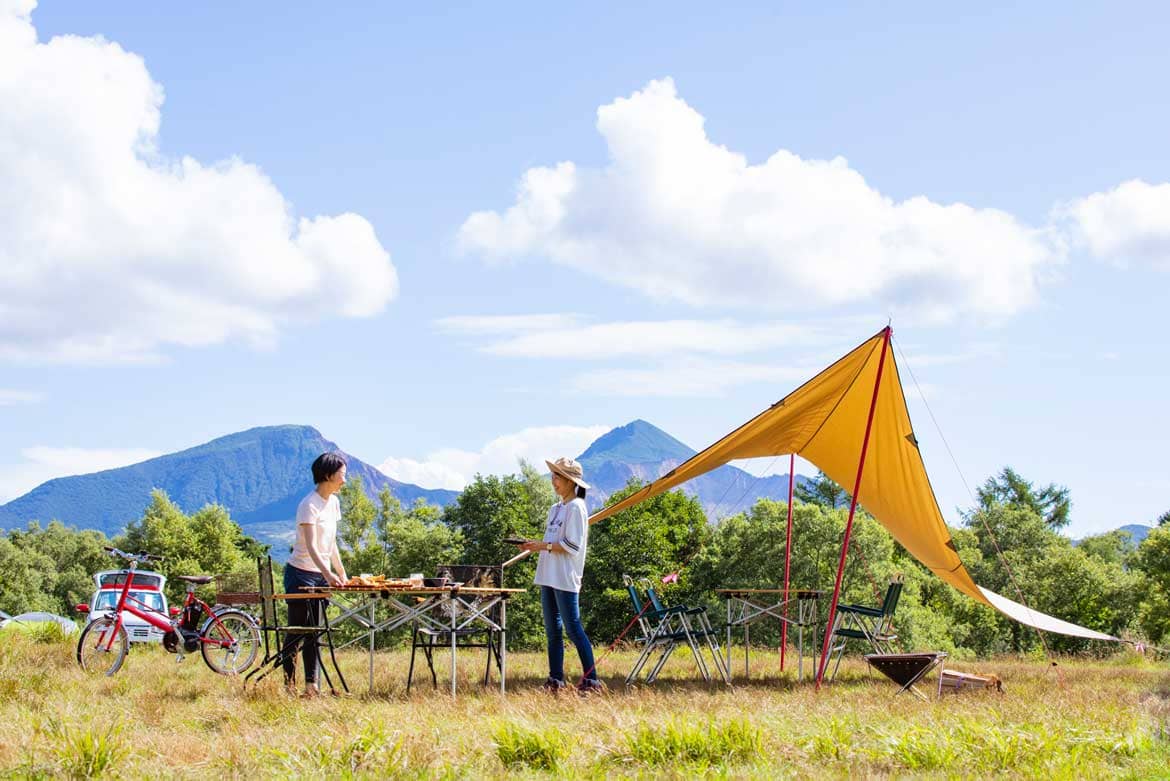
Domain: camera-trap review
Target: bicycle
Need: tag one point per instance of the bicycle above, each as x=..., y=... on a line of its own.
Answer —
x=229, y=639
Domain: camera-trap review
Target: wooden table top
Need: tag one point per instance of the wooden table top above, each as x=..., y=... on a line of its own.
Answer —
x=798, y=592
x=321, y=591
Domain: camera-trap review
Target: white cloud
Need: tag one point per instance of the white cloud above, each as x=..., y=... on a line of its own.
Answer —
x=10, y=397
x=44, y=463
x=687, y=377
x=676, y=216
x=505, y=324
x=621, y=339
x=1128, y=224
x=112, y=251
x=453, y=469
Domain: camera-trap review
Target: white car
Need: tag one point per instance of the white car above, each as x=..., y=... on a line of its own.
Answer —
x=147, y=588
x=29, y=620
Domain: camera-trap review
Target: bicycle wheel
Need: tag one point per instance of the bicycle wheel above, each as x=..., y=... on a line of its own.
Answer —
x=242, y=637
x=96, y=653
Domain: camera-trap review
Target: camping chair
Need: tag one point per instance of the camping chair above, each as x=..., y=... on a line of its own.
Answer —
x=428, y=637
x=664, y=628
x=874, y=625
x=321, y=633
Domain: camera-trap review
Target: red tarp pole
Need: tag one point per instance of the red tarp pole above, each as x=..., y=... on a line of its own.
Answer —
x=852, y=509
x=787, y=559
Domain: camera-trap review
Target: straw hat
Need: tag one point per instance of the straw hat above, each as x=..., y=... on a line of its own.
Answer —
x=568, y=468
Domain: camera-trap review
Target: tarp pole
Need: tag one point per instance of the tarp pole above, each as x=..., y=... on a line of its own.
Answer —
x=852, y=509
x=787, y=561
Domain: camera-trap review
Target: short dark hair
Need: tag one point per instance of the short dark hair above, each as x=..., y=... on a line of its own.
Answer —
x=327, y=465
x=580, y=492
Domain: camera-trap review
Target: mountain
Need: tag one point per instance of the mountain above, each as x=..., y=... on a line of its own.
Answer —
x=260, y=475
x=644, y=451
x=1137, y=531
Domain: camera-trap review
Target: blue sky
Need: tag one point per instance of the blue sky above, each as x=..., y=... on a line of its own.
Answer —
x=451, y=236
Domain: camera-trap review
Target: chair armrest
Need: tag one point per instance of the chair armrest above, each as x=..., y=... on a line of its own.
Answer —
x=860, y=610
x=668, y=611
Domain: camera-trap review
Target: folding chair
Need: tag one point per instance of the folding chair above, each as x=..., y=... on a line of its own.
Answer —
x=274, y=653
x=429, y=637
x=874, y=625
x=664, y=628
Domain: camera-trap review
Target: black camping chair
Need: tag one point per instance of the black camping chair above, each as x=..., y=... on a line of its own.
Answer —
x=319, y=632
x=429, y=637
x=874, y=625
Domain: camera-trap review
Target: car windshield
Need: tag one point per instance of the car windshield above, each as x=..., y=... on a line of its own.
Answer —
x=108, y=599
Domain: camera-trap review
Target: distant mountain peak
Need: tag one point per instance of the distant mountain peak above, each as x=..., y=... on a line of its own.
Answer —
x=637, y=442
x=259, y=474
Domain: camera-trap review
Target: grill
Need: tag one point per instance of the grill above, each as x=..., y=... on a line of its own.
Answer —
x=473, y=575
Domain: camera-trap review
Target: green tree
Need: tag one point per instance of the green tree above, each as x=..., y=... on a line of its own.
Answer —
x=1152, y=559
x=1051, y=502
x=208, y=542
x=419, y=540
x=823, y=491
x=75, y=556
x=356, y=532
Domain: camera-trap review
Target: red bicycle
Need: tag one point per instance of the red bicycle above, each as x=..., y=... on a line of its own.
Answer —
x=229, y=639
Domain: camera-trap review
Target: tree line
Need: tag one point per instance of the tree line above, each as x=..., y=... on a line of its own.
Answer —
x=1010, y=541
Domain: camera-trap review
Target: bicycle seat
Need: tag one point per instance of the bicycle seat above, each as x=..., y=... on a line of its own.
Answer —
x=199, y=580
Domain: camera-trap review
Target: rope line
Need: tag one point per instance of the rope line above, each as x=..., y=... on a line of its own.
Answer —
x=999, y=551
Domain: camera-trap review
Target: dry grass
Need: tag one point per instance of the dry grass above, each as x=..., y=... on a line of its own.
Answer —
x=155, y=718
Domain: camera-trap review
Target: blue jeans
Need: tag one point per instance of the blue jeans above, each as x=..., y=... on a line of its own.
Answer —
x=562, y=609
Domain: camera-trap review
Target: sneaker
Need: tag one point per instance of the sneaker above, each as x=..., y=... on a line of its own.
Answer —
x=591, y=686
x=553, y=685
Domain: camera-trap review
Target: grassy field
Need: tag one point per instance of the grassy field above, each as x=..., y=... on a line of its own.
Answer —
x=1083, y=719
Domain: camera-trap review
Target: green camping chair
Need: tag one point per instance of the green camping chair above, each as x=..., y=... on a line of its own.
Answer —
x=874, y=625
x=665, y=628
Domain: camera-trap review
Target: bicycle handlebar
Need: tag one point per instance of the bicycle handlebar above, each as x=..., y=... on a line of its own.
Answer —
x=141, y=558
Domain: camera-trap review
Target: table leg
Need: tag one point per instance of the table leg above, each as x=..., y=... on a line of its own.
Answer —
x=503, y=644
x=728, y=649
x=747, y=642
x=454, y=624
x=800, y=642
x=373, y=623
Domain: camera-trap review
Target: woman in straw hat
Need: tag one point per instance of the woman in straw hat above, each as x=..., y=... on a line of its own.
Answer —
x=559, y=571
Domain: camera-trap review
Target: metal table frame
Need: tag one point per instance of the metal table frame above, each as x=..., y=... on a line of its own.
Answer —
x=747, y=605
x=463, y=606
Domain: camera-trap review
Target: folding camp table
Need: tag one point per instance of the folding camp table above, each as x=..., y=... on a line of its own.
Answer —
x=747, y=605
x=907, y=669
x=448, y=609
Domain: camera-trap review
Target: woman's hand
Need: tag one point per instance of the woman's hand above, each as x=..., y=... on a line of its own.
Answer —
x=334, y=580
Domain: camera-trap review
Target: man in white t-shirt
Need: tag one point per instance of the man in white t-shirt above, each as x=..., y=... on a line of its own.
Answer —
x=559, y=571
x=315, y=561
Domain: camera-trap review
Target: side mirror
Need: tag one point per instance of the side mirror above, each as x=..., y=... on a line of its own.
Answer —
x=175, y=611
x=81, y=608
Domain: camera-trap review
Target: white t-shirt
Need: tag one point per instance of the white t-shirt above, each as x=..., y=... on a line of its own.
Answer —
x=568, y=524
x=317, y=519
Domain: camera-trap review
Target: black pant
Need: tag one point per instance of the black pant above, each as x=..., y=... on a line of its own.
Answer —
x=301, y=612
